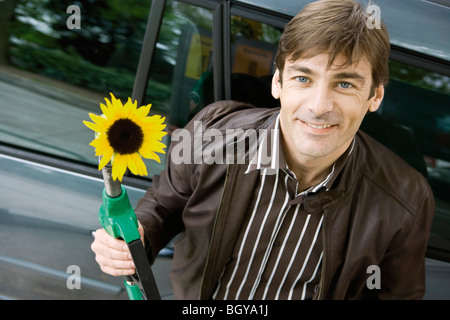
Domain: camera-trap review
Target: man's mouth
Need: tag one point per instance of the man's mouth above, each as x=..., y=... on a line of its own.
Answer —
x=318, y=126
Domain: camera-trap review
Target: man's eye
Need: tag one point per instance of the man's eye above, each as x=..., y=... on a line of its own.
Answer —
x=345, y=85
x=302, y=79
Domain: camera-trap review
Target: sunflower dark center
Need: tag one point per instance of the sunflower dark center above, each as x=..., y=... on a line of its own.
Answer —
x=125, y=136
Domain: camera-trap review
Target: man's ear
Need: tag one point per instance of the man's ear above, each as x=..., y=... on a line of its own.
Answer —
x=276, y=84
x=377, y=98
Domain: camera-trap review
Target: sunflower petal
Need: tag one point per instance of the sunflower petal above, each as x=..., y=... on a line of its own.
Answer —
x=119, y=166
x=91, y=125
x=131, y=163
x=113, y=98
x=130, y=108
x=102, y=145
x=101, y=121
x=109, y=114
x=117, y=107
x=150, y=154
x=143, y=111
x=142, y=169
x=106, y=157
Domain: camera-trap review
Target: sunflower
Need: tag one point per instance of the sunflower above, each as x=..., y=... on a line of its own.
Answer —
x=124, y=134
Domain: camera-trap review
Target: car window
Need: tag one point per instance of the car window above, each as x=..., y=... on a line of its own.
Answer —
x=182, y=64
x=58, y=63
x=181, y=76
x=253, y=48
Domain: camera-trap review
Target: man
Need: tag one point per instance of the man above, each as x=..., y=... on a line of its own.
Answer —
x=328, y=207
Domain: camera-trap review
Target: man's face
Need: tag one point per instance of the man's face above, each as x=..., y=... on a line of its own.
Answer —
x=322, y=109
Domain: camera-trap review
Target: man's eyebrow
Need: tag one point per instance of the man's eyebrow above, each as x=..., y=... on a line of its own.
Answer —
x=301, y=69
x=351, y=76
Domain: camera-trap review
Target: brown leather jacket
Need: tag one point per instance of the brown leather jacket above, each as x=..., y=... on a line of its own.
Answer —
x=378, y=212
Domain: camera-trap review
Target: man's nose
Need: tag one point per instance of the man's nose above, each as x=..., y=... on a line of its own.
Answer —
x=320, y=101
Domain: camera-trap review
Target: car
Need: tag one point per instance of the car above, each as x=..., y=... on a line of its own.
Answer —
x=59, y=62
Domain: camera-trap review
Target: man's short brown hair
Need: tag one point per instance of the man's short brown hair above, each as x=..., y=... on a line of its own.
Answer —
x=337, y=27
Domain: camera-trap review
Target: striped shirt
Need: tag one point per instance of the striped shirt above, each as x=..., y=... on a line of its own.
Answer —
x=278, y=252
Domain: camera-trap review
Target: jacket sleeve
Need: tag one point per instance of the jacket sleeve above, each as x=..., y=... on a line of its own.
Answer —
x=403, y=267
x=160, y=210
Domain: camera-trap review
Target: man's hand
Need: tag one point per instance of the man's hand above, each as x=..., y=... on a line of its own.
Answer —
x=113, y=254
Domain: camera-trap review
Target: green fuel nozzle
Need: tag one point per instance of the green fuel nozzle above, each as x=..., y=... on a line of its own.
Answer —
x=116, y=213
x=118, y=218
